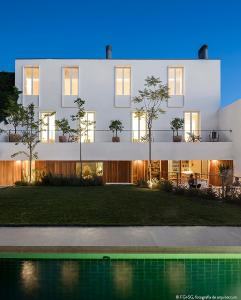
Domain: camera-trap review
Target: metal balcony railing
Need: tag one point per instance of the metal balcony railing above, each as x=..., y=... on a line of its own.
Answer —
x=126, y=136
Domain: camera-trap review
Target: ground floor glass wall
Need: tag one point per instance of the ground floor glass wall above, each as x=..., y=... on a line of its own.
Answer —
x=117, y=171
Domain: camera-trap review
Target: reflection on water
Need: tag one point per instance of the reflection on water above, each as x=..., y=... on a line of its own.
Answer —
x=118, y=279
x=122, y=277
x=30, y=276
x=176, y=276
x=70, y=273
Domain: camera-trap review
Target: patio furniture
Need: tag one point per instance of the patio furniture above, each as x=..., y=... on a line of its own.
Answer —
x=214, y=136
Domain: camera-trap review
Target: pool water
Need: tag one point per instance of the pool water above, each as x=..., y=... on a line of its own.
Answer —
x=141, y=279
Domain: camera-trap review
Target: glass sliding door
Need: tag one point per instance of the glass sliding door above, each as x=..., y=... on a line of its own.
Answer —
x=191, y=125
x=88, y=125
x=47, y=134
x=138, y=127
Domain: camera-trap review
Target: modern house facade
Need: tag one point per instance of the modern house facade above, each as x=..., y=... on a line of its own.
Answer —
x=108, y=86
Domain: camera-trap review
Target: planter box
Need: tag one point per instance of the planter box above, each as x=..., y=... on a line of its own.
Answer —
x=63, y=139
x=177, y=139
x=115, y=139
x=14, y=137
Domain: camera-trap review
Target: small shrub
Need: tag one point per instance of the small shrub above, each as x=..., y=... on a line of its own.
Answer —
x=142, y=183
x=154, y=183
x=209, y=194
x=166, y=186
x=24, y=183
x=60, y=180
x=179, y=190
x=192, y=192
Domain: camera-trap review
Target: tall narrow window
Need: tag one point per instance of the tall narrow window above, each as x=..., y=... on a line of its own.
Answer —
x=71, y=81
x=138, y=127
x=122, y=81
x=191, y=125
x=175, y=81
x=48, y=127
x=31, y=81
x=88, y=125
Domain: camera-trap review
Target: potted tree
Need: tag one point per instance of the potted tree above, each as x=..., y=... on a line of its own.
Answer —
x=63, y=125
x=115, y=126
x=15, y=113
x=177, y=124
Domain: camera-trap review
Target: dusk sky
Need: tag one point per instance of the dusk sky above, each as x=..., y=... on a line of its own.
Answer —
x=136, y=29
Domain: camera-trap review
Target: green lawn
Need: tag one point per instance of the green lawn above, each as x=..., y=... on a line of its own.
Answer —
x=110, y=205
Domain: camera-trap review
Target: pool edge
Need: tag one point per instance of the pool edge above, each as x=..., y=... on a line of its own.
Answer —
x=231, y=252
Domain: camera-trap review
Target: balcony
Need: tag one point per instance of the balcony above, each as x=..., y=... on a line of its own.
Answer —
x=133, y=145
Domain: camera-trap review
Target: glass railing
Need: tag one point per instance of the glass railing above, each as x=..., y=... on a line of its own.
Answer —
x=126, y=136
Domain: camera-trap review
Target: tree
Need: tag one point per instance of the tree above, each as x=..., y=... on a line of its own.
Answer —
x=226, y=174
x=63, y=125
x=150, y=100
x=82, y=126
x=176, y=124
x=8, y=92
x=30, y=136
x=14, y=114
x=115, y=126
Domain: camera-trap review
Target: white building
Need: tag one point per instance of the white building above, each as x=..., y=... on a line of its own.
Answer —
x=108, y=86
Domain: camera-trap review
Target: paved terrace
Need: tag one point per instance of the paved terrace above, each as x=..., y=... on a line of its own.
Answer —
x=149, y=238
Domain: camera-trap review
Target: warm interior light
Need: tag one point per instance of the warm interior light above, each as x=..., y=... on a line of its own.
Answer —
x=18, y=162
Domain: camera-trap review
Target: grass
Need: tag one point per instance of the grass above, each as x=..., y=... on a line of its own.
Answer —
x=110, y=205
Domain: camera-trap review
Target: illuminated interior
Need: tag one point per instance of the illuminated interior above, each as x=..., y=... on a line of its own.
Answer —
x=175, y=81
x=122, y=81
x=48, y=127
x=138, y=127
x=191, y=124
x=31, y=81
x=88, y=125
x=186, y=167
x=71, y=81
x=90, y=168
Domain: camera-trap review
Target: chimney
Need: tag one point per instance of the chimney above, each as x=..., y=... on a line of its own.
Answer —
x=108, y=52
x=203, y=52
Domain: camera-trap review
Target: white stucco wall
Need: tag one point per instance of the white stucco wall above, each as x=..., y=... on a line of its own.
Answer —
x=124, y=151
x=97, y=86
x=230, y=117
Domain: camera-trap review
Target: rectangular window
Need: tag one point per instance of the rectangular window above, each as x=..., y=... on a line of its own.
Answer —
x=48, y=127
x=122, y=81
x=138, y=127
x=90, y=169
x=175, y=81
x=71, y=81
x=88, y=125
x=31, y=81
x=191, y=125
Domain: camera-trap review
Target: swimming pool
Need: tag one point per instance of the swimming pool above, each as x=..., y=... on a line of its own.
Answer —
x=121, y=277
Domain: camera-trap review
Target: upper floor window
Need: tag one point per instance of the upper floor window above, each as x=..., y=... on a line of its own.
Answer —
x=48, y=127
x=71, y=81
x=139, y=132
x=175, y=81
x=88, y=127
x=31, y=81
x=122, y=81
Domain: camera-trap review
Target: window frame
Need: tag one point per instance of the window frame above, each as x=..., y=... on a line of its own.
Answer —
x=122, y=81
x=175, y=80
x=199, y=122
x=83, y=138
x=49, y=140
x=32, y=67
x=71, y=80
x=139, y=129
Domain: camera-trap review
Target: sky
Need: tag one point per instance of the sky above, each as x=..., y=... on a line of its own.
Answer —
x=134, y=28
